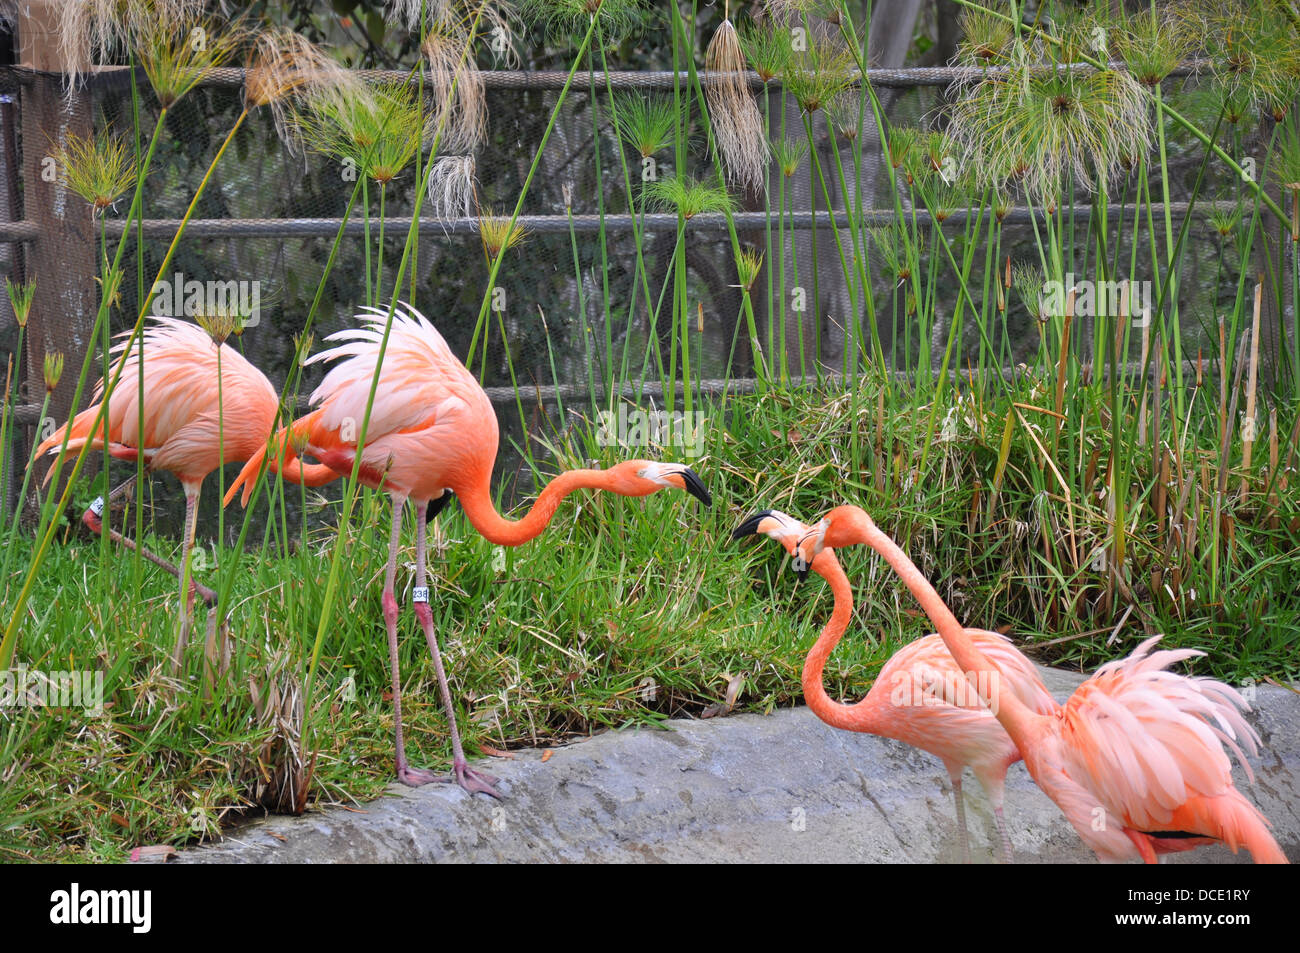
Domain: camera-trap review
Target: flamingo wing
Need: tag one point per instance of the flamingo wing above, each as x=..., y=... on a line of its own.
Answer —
x=182, y=432
x=419, y=374
x=930, y=703
x=429, y=417
x=929, y=654
x=1015, y=670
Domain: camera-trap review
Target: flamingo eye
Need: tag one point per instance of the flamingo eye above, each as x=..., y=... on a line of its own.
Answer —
x=653, y=474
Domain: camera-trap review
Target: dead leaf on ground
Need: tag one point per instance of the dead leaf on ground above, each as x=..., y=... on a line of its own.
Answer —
x=734, y=684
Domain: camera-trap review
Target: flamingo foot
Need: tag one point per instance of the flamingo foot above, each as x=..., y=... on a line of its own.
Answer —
x=418, y=777
x=476, y=782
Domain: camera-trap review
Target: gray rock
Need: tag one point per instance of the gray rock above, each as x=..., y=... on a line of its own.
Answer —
x=749, y=788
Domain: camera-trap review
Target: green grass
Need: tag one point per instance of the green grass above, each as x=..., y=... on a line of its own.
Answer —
x=563, y=640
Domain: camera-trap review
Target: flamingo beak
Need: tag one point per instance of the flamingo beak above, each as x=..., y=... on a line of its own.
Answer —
x=693, y=485
x=750, y=526
x=438, y=504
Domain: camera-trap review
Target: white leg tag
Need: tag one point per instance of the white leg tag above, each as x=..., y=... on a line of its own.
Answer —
x=97, y=506
x=420, y=594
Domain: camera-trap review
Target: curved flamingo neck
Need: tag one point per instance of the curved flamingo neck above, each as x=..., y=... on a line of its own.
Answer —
x=482, y=512
x=307, y=474
x=1011, y=712
x=856, y=717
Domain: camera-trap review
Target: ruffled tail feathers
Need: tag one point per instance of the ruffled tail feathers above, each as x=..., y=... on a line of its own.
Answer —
x=1232, y=819
x=1244, y=825
x=279, y=456
x=251, y=470
x=78, y=431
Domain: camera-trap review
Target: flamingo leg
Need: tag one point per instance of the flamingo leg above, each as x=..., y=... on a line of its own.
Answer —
x=187, y=591
x=412, y=777
x=475, y=782
x=961, y=816
x=94, y=522
x=1007, y=856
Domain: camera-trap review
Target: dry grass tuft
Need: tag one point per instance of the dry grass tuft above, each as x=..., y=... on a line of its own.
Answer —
x=451, y=187
x=287, y=64
x=90, y=29
x=457, y=91
x=738, y=128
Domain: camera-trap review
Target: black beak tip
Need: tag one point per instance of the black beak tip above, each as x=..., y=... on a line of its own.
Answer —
x=750, y=526
x=695, y=486
x=436, y=506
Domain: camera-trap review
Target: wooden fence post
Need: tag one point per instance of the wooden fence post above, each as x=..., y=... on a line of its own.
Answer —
x=11, y=254
x=62, y=259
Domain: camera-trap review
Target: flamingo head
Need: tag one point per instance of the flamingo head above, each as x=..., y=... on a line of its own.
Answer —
x=785, y=529
x=643, y=477
x=842, y=526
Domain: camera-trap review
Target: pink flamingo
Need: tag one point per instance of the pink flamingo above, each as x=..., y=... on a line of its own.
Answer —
x=181, y=428
x=920, y=696
x=431, y=429
x=1134, y=758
